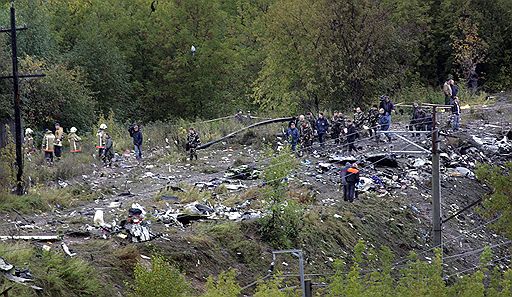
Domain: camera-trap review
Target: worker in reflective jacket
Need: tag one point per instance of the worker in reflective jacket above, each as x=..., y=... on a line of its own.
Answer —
x=102, y=138
x=74, y=141
x=352, y=178
x=48, y=146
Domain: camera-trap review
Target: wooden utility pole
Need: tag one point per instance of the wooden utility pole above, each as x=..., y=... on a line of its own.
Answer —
x=436, y=182
x=16, y=98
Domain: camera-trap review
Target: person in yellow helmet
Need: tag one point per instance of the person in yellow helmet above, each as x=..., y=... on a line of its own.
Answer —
x=74, y=141
x=48, y=146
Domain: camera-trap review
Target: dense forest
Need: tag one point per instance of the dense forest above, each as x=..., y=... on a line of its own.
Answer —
x=136, y=57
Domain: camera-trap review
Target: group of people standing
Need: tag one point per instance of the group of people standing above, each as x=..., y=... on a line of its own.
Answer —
x=344, y=130
x=53, y=142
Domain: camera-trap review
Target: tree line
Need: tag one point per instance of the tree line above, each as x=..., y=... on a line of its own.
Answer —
x=135, y=57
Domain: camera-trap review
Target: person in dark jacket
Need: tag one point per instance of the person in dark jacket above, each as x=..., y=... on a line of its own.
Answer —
x=384, y=123
x=321, y=126
x=351, y=136
x=387, y=105
x=343, y=174
x=352, y=178
x=417, y=120
x=108, y=152
x=372, y=120
x=293, y=132
x=455, y=91
x=136, y=134
x=337, y=126
x=455, y=114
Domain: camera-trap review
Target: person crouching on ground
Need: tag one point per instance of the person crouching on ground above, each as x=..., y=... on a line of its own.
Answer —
x=293, y=132
x=352, y=178
x=48, y=146
x=193, y=142
x=74, y=141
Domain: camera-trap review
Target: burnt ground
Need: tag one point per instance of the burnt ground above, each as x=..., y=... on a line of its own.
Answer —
x=396, y=214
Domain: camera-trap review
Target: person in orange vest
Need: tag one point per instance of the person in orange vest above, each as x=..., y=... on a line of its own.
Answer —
x=352, y=178
x=48, y=146
x=59, y=137
x=74, y=141
x=102, y=138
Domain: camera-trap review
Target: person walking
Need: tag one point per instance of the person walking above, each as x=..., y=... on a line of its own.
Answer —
x=193, y=141
x=74, y=141
x=321, y=126
x=101, y=137
x=59, y=137
x=373, y=120
x=343, y=174
x=456, y=114
x=352, y=178
x=294, y=134
x=136, y=134
x=48, y=146
x=447, y=90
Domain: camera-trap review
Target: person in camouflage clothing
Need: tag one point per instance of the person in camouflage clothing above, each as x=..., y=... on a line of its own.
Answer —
x=337, y=126
x=306, y=136
x=193, y=142
x=359, y=118
x=373, y=120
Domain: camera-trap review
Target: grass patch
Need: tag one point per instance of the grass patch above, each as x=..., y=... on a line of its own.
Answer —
x=56, y=274
x=70, y=166
x=41, y=199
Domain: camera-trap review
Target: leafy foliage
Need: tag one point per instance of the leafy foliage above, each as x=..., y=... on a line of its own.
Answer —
x=160, y=280
x=500, y=201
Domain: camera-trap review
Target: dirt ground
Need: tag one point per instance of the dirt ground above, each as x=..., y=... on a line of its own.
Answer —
x=397, y=215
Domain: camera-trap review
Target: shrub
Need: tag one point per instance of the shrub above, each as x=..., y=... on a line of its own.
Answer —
x=160, y=280
x=224, y=286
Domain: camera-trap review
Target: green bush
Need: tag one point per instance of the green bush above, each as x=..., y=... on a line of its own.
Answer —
x=56, y=274
x=160, y=280
x=224, y=286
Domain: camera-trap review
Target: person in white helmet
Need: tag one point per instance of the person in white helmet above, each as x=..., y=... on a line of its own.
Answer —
x=74, y=141
x=28, y=141
x=101, y=136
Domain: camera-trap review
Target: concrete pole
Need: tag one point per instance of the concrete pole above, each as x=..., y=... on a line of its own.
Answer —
x=436, y=183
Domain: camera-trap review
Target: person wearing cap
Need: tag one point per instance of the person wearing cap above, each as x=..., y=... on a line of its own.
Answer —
x=28, y=141
x=59, y=137
x=343, y=174
x=48, y=146
x=193, y=141
x=74, y=141
x=352, y=178
x=101, y=137
x=384, y=123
